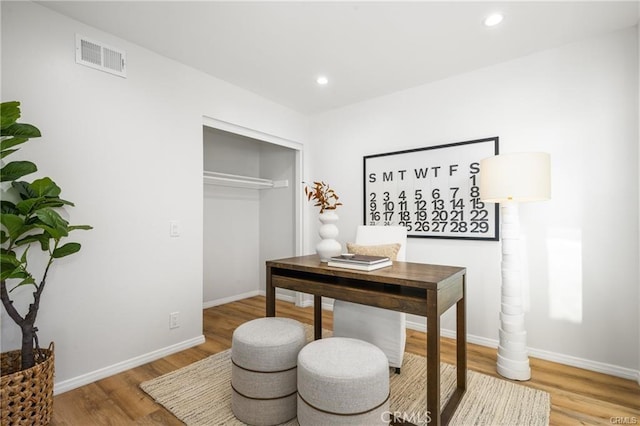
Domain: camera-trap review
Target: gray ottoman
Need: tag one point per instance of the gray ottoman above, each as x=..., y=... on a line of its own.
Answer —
x=264, y=353
x=342, y=381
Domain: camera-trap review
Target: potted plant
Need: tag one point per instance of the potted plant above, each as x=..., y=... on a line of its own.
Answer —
x=327, y=199
x=31, y=226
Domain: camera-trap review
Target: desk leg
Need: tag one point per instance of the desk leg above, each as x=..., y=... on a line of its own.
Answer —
x=317, y=317
x=461, y=357
x=461, y=338
x=271, y=296
x=433, y=358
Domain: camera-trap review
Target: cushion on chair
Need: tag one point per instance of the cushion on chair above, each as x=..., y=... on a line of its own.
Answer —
x=387, y=250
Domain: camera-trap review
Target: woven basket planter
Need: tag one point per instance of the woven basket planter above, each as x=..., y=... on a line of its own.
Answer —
x=26, y=396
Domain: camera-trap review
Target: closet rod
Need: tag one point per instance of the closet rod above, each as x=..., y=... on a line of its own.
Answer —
x=238, y=181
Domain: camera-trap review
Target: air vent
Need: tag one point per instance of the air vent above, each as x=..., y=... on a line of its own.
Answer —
x=97, y=55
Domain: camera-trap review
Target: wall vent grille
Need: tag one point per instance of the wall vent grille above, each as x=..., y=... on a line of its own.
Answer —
x=97, y=55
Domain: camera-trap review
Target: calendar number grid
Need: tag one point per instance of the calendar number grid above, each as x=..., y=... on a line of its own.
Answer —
x=433, y=192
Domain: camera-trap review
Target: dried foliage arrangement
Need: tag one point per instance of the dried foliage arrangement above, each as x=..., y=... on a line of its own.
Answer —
x=324, y=196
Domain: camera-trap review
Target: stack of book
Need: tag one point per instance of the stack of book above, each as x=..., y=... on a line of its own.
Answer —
x=360, y=262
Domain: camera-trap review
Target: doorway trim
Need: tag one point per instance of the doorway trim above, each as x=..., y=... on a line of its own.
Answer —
x=287, y=143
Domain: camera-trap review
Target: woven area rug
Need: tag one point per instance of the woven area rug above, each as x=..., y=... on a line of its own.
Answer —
x=200, y=395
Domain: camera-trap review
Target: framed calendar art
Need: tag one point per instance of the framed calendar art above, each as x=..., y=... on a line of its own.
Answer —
x=434, y=192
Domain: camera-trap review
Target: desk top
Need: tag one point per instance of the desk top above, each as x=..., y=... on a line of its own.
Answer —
x=408, y=274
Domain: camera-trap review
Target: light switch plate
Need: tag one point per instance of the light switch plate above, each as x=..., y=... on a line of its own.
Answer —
x=174, y=228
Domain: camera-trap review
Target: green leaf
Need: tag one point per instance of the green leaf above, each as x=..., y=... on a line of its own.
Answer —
x=24, y=189
x=7, y=152
x=54, y=202
x=43, y=239
x=51, y=217
x=21, y=130
x=13, y=224
x=28, y=206
x=9, y=113
x=4, y=237
x=26, y=281
x=16, y=169
x=66, y=250
x=18, y=273
x=53, y=223
x=23, y=258
x=7, y=143
x=82, y=227
x=45, y=187
x=8, y=207
x=7, y=270
x=9, y=259
x=12, y=268
x=55, y=233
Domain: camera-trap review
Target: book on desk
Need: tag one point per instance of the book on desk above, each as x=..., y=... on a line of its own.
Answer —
x=359, y=262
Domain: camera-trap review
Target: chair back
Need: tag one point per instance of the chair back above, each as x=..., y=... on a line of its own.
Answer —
x=371, y=235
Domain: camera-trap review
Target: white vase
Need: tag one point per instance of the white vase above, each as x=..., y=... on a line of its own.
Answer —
x=328, y=231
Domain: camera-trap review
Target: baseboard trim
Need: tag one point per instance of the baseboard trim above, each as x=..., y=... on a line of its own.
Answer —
x=587, y=364
x=234, y=298
x=599, y=367
x=283, y=297
x=119, y=367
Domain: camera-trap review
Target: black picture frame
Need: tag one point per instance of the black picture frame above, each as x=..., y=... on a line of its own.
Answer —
x=433, y=191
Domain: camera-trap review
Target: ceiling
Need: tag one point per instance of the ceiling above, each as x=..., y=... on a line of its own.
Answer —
x=366, y=49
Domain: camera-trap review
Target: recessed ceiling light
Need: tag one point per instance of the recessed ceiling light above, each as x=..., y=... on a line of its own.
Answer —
x=322, y=80
x=493, y=19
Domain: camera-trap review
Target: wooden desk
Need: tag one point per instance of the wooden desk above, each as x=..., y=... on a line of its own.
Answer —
x=414, y=288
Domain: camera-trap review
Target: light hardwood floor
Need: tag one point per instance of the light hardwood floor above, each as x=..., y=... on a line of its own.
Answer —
x=577, y=396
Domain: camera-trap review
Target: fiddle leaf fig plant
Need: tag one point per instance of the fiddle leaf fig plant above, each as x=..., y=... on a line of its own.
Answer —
x=31, y=225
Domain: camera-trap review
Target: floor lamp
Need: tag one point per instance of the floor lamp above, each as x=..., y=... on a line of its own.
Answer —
x=510, y=179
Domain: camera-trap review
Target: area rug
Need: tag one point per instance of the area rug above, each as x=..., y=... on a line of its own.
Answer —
x=200, y=395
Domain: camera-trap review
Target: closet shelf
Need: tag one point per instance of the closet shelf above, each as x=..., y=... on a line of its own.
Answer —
x=238, y=181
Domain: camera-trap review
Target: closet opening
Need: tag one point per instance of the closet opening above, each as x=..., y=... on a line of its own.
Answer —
x=252, y=210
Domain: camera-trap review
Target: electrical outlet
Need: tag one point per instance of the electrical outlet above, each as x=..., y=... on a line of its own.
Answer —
x=174, y=320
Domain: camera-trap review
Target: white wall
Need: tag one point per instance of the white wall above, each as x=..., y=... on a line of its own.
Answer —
x=580, y=104
x=128, y=152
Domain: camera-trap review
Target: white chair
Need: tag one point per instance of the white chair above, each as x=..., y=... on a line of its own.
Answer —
x=382, y=327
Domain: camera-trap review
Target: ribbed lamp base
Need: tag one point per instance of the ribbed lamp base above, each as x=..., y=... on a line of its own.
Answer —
x=514, y=370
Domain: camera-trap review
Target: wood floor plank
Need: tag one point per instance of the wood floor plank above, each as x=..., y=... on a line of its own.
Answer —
x=88, y=405
x=125, y=391
x=577, y=396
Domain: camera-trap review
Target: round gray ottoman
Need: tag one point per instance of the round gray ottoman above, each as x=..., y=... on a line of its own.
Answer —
x=342, y=381
x=264, y=354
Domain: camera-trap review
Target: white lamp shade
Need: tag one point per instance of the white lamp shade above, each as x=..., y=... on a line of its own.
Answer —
x=520, y=176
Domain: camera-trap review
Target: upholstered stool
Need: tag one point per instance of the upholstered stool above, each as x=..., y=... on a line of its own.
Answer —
x=264, y=353
x=342, y=381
